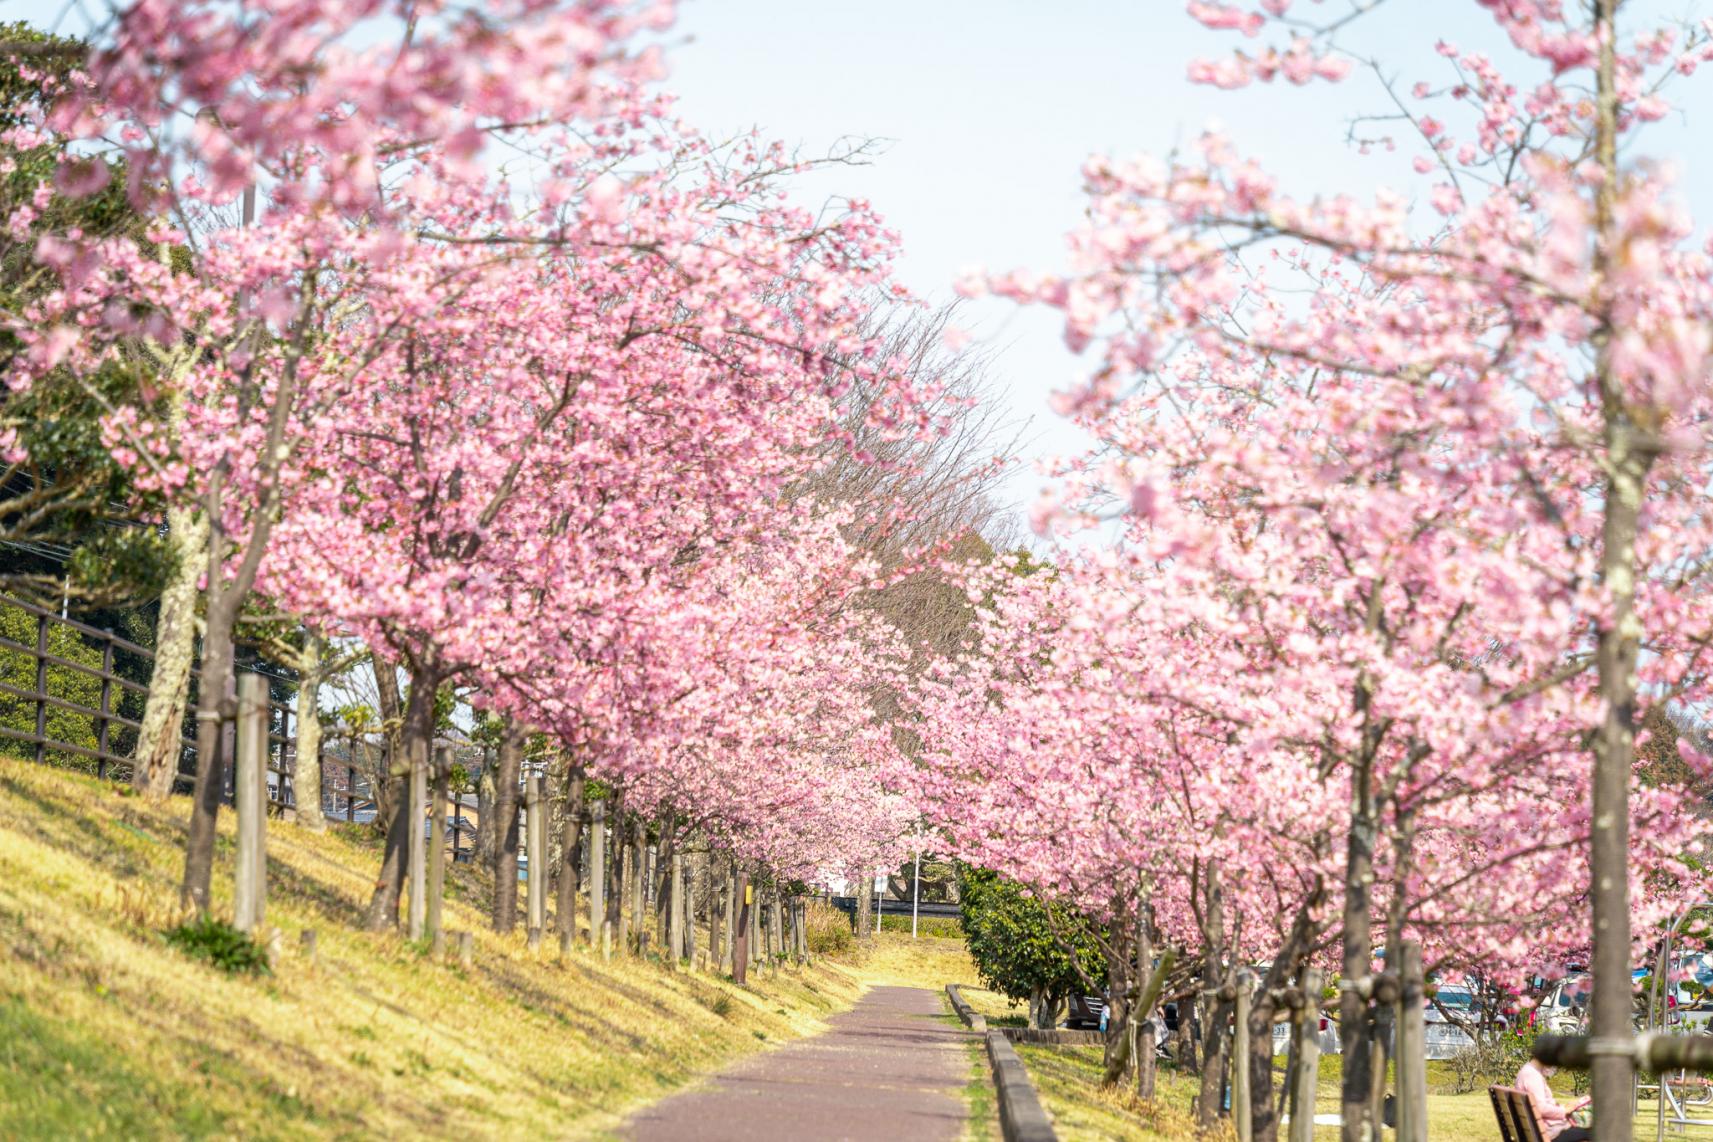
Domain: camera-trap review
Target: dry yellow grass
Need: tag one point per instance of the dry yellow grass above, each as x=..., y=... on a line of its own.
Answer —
x=107, y=1031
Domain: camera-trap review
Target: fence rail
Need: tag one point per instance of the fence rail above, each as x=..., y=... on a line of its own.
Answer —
x=48, y=716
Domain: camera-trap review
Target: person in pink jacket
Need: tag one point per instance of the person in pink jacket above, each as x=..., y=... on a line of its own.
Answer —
x=1554, y=1119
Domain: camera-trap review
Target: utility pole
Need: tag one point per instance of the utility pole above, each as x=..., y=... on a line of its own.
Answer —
x=916, y=896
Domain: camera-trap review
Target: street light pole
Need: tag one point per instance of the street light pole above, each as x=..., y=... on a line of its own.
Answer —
x=916, y=896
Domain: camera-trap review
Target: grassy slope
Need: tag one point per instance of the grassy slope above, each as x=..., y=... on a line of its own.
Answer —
x=106, y=1031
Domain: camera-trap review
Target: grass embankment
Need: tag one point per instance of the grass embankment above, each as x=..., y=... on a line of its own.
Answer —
x=105, y=1030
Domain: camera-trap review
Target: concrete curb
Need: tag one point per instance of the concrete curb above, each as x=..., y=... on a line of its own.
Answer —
x=965, y=1012
x=1021, y=1116
x=1058, y=1036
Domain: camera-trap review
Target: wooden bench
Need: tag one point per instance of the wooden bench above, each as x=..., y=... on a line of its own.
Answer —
x=1516, y=1115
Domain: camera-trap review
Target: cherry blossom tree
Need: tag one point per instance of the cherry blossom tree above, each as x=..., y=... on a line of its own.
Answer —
x=1541, y=340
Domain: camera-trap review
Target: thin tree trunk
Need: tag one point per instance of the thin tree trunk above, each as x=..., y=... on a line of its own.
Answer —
x=571, y=840
x=213, y=710
x=486, y=791
x=159, y=744
x=307, y=779
x=383, y=911
x=506, y=772
x=639, y=885
x=1354, y=1024
x=616, y=872
x=1630, y=454
x=1118, y=1008
x=382, y=786
x=1215, y=975
x=1145, y=1014
x=864, y=909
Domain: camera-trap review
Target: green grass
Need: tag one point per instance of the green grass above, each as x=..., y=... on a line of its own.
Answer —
x=108, y=1031
x=982, y=1124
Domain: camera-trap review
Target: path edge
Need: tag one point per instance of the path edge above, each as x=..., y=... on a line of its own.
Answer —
x=1022, y=1118
x=974, y=1022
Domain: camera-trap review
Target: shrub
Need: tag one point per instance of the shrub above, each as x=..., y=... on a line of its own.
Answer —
x=220, y=944
x=1491, y=1059
x=828, y=929
x=936, y=927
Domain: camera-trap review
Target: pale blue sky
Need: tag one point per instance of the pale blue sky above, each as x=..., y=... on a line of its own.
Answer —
x=992, y=106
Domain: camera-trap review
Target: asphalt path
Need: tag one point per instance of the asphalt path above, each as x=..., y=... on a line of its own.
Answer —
x=889, y=1069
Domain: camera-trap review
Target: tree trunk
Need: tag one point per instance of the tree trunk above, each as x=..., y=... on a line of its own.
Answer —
x=615, y=890
x=506, y=772
x=1354, y=1025
x=728, y=946
x=307, y=778
x=1215, y=975
x=715, y=905
x=383, y=787
x=486, y=790
x=213, y=710
x=1147, y=1002
x=571, y=841
x=864, y=909
x=159, y=744
x=1630, y=454
x=383, y=911
x=1118, y=992
x=1263, y=1109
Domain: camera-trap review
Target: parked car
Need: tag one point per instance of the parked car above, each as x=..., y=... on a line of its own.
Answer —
x=1326, y=1036
x=1452, y=1019
x=1563, y=1007
x=1086, y=1012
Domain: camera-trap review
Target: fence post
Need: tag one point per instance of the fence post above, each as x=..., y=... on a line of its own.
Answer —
x=675, y=912
x=1241, y=1103
x=535, y=824
x=1412, y=1048
x=285, y=747
x=437, y=845
x=228, y=740
x=250, y=799
x=597, y=871
x=1307, y=1074
x=41, y=688
x=418, y=849
x=101, y=723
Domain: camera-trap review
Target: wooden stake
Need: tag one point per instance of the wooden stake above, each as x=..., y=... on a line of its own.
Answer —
x=418, y=848
x=1307, y=1074
x=250, y=799
x=437, y=847
x=535, y=824
x=1412, y=1048
x=1240, y=1099
x=597, y=871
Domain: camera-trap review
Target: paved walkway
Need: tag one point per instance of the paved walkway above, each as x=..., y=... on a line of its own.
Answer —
x=888, y=1069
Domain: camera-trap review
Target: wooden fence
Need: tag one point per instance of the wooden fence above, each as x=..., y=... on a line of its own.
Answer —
x=73, y=694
